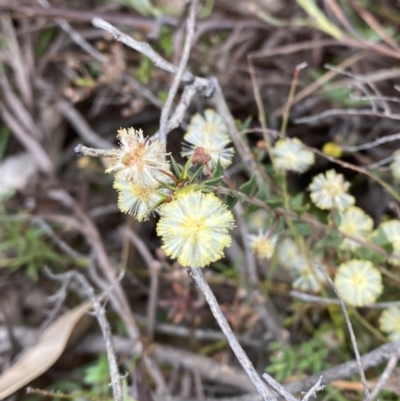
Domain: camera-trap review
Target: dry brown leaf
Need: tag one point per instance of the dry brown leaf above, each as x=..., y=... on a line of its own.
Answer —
x=41, y=356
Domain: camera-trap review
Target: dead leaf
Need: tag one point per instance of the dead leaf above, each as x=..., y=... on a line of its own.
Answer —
x=41, y=356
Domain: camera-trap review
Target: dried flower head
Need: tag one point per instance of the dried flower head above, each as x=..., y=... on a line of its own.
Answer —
x=263, y=245
x=389, y=322
x=356, y=223
x=194, y=228
x=329, y=191
x=290, y=154
x=138, y=160
x=359, y=283
x=392, y=232
x=137, y=200
x=209, y=133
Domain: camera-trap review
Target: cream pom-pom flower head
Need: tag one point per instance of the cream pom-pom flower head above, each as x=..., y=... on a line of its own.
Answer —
x=138, y=160
x=211, y=134
x=389, y=322
x=392, y=232
x=359, y=283
x=263, y=245
x=356, y=223
x=395, y=165
x=290, y=154
x=194, y=228
x=136, y=199
x=329, y=191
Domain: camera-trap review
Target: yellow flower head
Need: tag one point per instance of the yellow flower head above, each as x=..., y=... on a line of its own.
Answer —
x=138, y=160
x=329, y=191
x=391, y=229
x=389, y=322
x=194, y=228
x=395, y=165
x=290, y=154
x=263, y=245
x=355, y=222
x=332, y=149
x=359, y=283
x=211, y=134
x=137, y=200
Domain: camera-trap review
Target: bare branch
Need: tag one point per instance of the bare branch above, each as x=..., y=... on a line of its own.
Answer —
x=369, y=360
x=330, y=301
x=345, y=112
x=179, y=72
x=197, y=276
x=104, y=326
x=385, y=375
x=278, y=388
x=313, y=390
x=373, y=144
x=141, y=47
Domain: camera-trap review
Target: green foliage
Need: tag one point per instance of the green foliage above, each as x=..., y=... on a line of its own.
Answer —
x=162, y=95
x=144, y=70
x=249, y=187
x=218, y=170
x=97, y=376
x=166, y=43
x=143, y=7
x=306, y=358
x=4, y=137
x=24, y=246
x=302, y=229
x=299, y=203
x=46, y=36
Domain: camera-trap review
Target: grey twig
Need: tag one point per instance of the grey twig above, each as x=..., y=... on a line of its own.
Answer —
x=330, y=301
x=373, y=144
x=104, y=326
x=197, y=276
x=179, y=72
x=76, y=119
x=345, y=112
x=278, y=388
x=385, y=375
x=81, y=150
x=74, y=35
x=141, y=47
x=369, y=360
x=154, y=267
x=194, y=84
x=28, y=141
x=313, y=390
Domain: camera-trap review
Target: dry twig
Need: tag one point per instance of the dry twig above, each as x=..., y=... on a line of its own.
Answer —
x=197, y=276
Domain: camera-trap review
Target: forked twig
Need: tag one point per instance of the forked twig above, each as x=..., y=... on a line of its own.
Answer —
x=179, y=72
